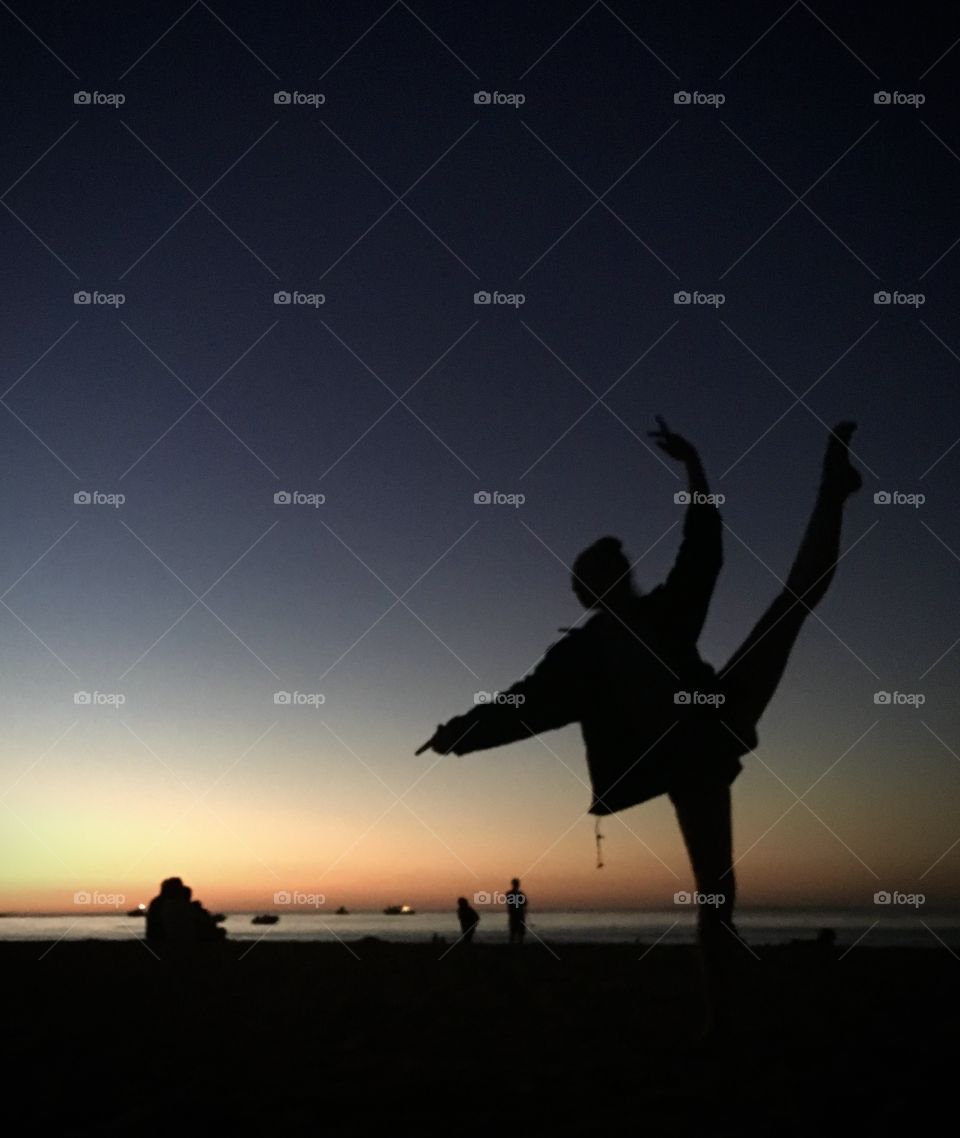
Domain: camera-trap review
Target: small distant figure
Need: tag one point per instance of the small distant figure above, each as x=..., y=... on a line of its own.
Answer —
x=174, y=918
x=469, y=918
x=827, y=940
x=516, y=912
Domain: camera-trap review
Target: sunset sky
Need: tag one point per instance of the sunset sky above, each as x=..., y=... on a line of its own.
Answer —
x=399, y=398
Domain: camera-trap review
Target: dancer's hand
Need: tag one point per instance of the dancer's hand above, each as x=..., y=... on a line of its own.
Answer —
x=441, y=741
x=676, y=446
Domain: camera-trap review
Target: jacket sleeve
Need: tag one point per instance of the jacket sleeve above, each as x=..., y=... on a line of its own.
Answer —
x=690, y=584
x=549, y=697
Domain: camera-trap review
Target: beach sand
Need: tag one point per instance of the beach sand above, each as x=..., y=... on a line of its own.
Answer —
x=279, y=1038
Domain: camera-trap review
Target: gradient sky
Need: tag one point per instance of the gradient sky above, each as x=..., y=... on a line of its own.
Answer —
x=199, y=772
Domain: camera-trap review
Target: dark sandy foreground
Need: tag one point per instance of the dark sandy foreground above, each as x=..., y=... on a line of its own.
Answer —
x=274, y=1039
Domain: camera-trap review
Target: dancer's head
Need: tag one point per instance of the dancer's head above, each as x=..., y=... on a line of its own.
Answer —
x=601, y=574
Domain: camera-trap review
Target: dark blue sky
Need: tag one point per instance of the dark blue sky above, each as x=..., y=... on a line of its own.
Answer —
x=598, y=198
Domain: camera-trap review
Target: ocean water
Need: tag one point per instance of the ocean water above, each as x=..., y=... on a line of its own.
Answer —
x=871, y=928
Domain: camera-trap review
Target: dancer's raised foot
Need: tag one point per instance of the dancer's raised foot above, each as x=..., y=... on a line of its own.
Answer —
x=839, y=473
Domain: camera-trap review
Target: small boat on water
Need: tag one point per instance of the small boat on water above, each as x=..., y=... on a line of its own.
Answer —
x=265, y=919
x=343, y=911
x=139, y=911
x=399, y=911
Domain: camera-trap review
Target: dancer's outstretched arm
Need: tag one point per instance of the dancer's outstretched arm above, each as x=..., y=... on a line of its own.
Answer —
x=690, y=584
x=550, y=696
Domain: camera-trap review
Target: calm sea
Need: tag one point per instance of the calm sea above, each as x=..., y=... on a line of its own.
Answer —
x=886, y=928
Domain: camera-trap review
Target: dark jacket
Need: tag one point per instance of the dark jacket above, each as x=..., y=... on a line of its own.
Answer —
x=618, y=676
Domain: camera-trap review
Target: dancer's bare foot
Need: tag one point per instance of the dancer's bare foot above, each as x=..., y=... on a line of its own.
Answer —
x=839, y=474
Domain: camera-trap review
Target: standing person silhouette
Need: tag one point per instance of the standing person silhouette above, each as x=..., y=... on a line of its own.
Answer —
x=469, y=918
x=655, y=718
x=516, y=912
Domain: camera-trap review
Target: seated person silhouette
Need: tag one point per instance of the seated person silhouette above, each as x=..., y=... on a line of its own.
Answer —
x=469, y=918
x=175, y=919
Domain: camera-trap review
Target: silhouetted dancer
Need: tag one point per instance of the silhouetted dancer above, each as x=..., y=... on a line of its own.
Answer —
x=516, y=912
x=634, y=680
x=469, y=918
